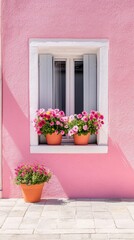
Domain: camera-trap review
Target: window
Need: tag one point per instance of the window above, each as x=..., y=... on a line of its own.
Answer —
x=72, y=76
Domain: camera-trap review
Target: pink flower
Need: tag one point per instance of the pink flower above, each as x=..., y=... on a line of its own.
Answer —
x=66, y=126
x=75, y=129
x=91, y=117
x=56, y=110
x=85, y=127
x=71, y=132
x=84, y=113
x=64, y=119
x=79, y=116
x=62, y=132
x=101, y=117
x=57, y=123
x=56, y=132
x=96, y=115
x=39, y=132
x=85, y=119
x=52, y=123
x=61, y=113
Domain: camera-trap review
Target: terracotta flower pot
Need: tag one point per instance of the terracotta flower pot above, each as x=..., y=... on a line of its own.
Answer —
x=53, y=139
x=82, y=139
x=32, y=193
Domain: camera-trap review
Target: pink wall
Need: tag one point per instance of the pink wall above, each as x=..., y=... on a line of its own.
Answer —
x=89, y=175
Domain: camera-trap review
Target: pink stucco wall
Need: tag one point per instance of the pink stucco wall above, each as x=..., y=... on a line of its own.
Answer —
x=88, y=175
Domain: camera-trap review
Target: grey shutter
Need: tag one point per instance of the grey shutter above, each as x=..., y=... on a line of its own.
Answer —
x=90, y=86
x=90, y=82
x=45, y=83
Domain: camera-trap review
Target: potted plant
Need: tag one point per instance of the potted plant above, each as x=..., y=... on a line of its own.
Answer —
x=52, y=124
x=31, y=179
x=82, y=125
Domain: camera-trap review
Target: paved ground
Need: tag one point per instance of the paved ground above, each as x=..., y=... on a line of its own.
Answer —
x=66, y=220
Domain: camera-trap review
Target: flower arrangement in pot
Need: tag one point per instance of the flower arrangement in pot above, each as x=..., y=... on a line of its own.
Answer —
x=53, y=124
x=31, y=179
x=82, y=125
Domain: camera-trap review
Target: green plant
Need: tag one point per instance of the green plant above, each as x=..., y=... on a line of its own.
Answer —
x=50, y=121
x=85, y=123
x=31, y=174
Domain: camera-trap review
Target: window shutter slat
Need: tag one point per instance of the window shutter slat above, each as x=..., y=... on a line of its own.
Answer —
x=90, y=82
x=45, y=83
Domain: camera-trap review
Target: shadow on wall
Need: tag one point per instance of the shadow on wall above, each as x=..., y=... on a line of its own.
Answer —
x=15, y=139
x=94, y=175
x=75, y=176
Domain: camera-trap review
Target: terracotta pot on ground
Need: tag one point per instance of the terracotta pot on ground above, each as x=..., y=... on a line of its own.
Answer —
x=32, y=193
x=53, y=139
x=82, y=139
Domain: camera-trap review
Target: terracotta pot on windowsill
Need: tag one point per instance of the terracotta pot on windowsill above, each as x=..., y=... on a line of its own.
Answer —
x=81, y=139
x=54, y=139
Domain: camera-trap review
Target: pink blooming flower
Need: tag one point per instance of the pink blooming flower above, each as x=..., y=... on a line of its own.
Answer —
x=66, y=126
x=91, y=117
x=56, y=131
x=57, y=123
x=79, y=116
x=101, y=117
x=39, y=132
x=96, y=115
x=61, y=113
x=52, y=123
x=71, y=132
x=75, y=129
x=56, y=110
x=85, y=119
x=64, y=119
x=92, y=112
x=84, y=113
x=62, y=132
x=85, y=127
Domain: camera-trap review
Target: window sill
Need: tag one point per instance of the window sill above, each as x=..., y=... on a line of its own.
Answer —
x=64, y=148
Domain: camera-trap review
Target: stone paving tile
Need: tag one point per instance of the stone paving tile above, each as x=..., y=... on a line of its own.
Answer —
x=104, y=223
x=7, y=202
x=5, y=210
x=102, y=215
x=99, y=237
x=67, y=212
x=12, y=223
x=85, y=223
x=75, y=237
x=47, y=224
x=2, y=219
x=124, y=223
x=50, y=214
x=65, y=231
x=16, y=231
x=114, y=230
x=17, y=212
x=121, y=236
x=84, y=214
x=29, y=222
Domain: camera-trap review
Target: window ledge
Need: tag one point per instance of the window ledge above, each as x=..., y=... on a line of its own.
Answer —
x=90, y=148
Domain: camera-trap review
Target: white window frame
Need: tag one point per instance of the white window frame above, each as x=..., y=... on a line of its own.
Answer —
x=70, y=47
